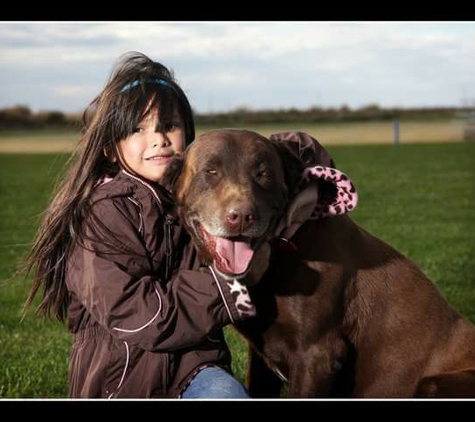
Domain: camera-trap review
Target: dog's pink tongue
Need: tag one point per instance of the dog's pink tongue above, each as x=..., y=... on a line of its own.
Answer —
x=235, y=255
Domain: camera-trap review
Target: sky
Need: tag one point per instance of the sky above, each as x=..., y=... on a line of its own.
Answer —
x=258, y=65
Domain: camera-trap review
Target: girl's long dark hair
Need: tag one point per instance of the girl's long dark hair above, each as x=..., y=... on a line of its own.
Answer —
x=131, y=92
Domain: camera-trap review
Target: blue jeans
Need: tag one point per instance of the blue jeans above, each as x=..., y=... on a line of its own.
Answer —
x=215, y=383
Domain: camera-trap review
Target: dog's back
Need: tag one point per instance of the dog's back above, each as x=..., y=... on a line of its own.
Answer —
x=359, y=314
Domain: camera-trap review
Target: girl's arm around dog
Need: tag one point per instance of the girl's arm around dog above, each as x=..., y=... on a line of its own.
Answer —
x=120, y=287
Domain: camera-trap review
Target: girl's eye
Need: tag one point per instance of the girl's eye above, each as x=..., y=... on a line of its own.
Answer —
x=139, y=129
x=172, y=126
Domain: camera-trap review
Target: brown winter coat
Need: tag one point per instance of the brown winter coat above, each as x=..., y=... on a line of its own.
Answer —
x=144, y=314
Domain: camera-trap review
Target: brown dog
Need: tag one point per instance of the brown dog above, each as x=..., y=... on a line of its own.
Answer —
x=345, y=315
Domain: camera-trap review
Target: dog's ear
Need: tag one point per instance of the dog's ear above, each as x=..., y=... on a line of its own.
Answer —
x=292, y=166
x=172, y=173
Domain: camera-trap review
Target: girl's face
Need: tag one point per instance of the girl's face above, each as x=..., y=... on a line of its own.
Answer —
x=147, y=152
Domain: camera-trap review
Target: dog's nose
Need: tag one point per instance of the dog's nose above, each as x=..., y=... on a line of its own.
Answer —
x=240, y=220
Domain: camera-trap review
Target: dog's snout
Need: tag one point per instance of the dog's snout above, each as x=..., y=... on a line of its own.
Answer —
x=239, y=220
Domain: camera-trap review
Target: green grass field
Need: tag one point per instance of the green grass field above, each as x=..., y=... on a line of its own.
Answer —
x=418, y=197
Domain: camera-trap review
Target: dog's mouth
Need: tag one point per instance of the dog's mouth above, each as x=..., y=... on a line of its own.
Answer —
x=232, y=255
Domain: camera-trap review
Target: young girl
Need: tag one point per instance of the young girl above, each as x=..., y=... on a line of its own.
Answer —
x=146, y=317
x=111, y=257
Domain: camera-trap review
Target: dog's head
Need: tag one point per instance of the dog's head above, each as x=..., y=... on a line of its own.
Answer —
x=231, y=187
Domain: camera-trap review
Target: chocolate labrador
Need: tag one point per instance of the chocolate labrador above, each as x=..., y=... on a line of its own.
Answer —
x=340, y=313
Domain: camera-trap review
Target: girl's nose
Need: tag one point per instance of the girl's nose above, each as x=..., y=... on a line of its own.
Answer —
x=160, y=140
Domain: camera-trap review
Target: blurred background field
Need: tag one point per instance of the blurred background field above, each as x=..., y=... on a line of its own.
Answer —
x=419, y=197
x=344, y=133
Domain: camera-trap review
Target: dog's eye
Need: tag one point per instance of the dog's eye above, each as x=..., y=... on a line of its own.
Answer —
x=212, y=171
x=263, y=173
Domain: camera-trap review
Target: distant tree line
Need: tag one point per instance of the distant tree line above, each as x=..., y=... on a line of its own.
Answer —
x=21, y=117
x=329, y=115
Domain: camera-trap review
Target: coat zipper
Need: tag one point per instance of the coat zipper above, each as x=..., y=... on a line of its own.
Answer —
x=168, y=223
x=169, y=246
x=167, y=370
x=169, y=220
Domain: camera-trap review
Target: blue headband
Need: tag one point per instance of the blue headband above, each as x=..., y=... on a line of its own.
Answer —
x=148, y=81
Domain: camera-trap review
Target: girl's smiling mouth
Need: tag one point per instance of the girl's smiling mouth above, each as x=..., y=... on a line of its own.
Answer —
x=160, y=159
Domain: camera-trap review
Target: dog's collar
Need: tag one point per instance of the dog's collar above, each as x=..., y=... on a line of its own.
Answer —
x=284, y=244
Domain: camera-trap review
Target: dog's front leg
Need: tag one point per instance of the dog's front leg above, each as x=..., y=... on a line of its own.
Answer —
x=261, y=381
x=310, y=378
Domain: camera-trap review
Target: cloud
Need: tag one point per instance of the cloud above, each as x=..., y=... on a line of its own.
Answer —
x=228, y=64
x=74, y=91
